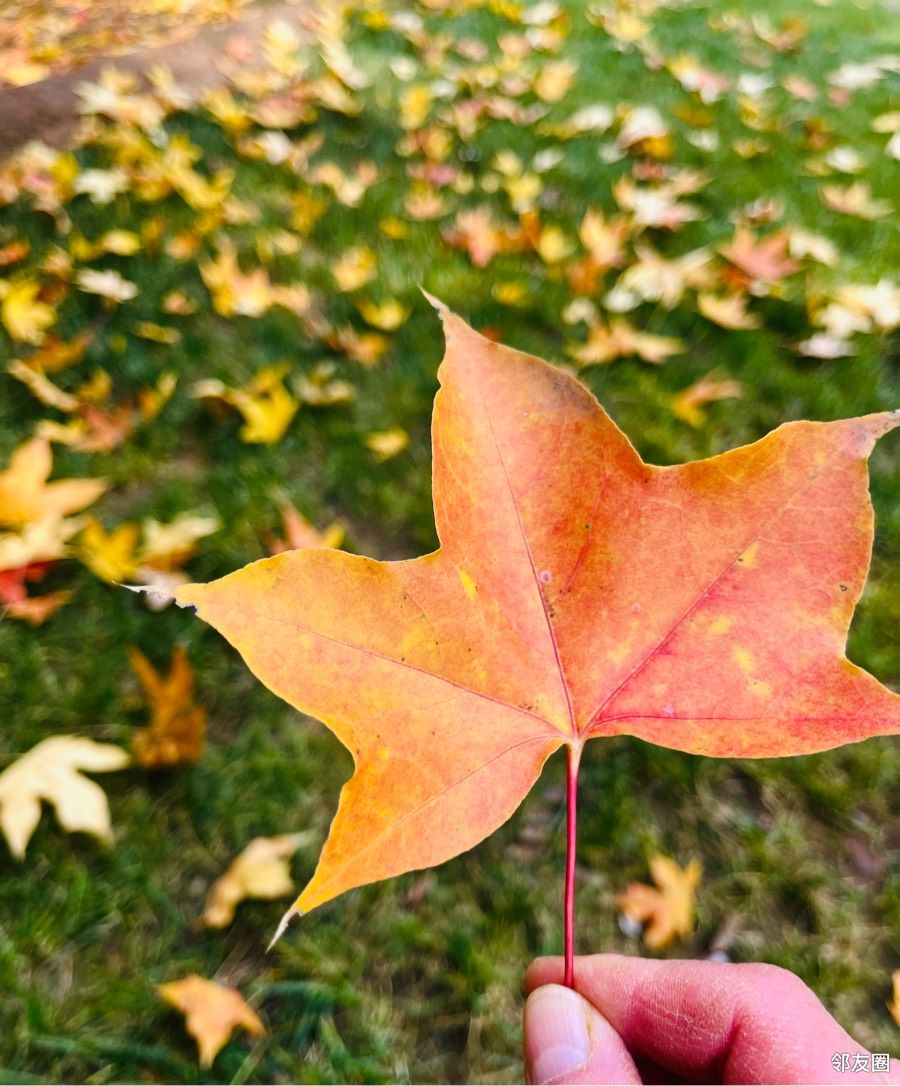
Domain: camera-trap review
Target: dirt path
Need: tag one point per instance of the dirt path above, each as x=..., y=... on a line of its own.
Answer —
x=48, y=110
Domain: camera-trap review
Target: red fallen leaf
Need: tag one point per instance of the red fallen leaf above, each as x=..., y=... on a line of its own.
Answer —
x=578, y=593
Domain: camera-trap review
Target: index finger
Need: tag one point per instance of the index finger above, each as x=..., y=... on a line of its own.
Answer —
x=710, y=1021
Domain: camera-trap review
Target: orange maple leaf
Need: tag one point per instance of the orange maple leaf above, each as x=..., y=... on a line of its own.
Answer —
x=177, y=729
x=578, y=592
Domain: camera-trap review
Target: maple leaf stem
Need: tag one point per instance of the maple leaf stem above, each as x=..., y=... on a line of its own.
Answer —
x=574, y=757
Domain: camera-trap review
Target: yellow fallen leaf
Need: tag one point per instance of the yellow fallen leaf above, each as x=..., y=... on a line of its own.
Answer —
x=212, y=1011
x=385, y=444
x=112, y=556
x=50, y=772
x=177, y=729
x=688, y=404
x=24, y=316
x=386, y=316
x=265, y=404
x=728, y=312
x=25, y=494
x=620, y=339
x=554, y=80
x=354, y=269
x=667, y=910
x=167, y=546
x=260, y=871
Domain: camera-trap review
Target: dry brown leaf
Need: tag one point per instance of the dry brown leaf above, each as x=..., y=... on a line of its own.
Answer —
x=50, y=771
x=211, y=1011
x=667, y=909
x=260, y=871
x=177, y=729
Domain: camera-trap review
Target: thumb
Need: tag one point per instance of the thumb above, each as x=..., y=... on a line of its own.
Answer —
x=568, y=1040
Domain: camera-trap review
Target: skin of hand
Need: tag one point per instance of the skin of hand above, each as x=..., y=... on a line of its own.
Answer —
x=632, y=1020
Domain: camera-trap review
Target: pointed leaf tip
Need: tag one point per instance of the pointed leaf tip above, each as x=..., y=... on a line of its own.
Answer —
x=283, y=925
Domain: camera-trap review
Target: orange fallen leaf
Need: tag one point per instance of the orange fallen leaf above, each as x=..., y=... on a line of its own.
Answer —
x=667, y=909
x=260, y=871
x=298, y=533
x=177, y=729
x=212, y=1012
x=578, y=592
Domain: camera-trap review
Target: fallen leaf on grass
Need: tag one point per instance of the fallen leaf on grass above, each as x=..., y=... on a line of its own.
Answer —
x=260, y=871
x=667, y=909
x=764, y=259
x=299, y=533
x=265, y=404
x=688, y=404
x=50, y=771
x=855, y=200
x=894, y=1005
x=25, y=494
x=177, y=729
x=387, y=316
x=26, y=557
x=729, y=311
x=619, y=339
x=212, y=1012
x=385, y=444
x=23, y=314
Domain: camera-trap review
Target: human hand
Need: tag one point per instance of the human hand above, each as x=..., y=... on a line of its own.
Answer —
x=632, y=1020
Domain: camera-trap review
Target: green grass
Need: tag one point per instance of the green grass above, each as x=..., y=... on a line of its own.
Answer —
x=419, y=978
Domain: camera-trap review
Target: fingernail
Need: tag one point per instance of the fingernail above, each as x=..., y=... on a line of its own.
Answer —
x=556, y=1035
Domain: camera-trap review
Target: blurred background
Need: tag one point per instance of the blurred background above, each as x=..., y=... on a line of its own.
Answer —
x=215, y=217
